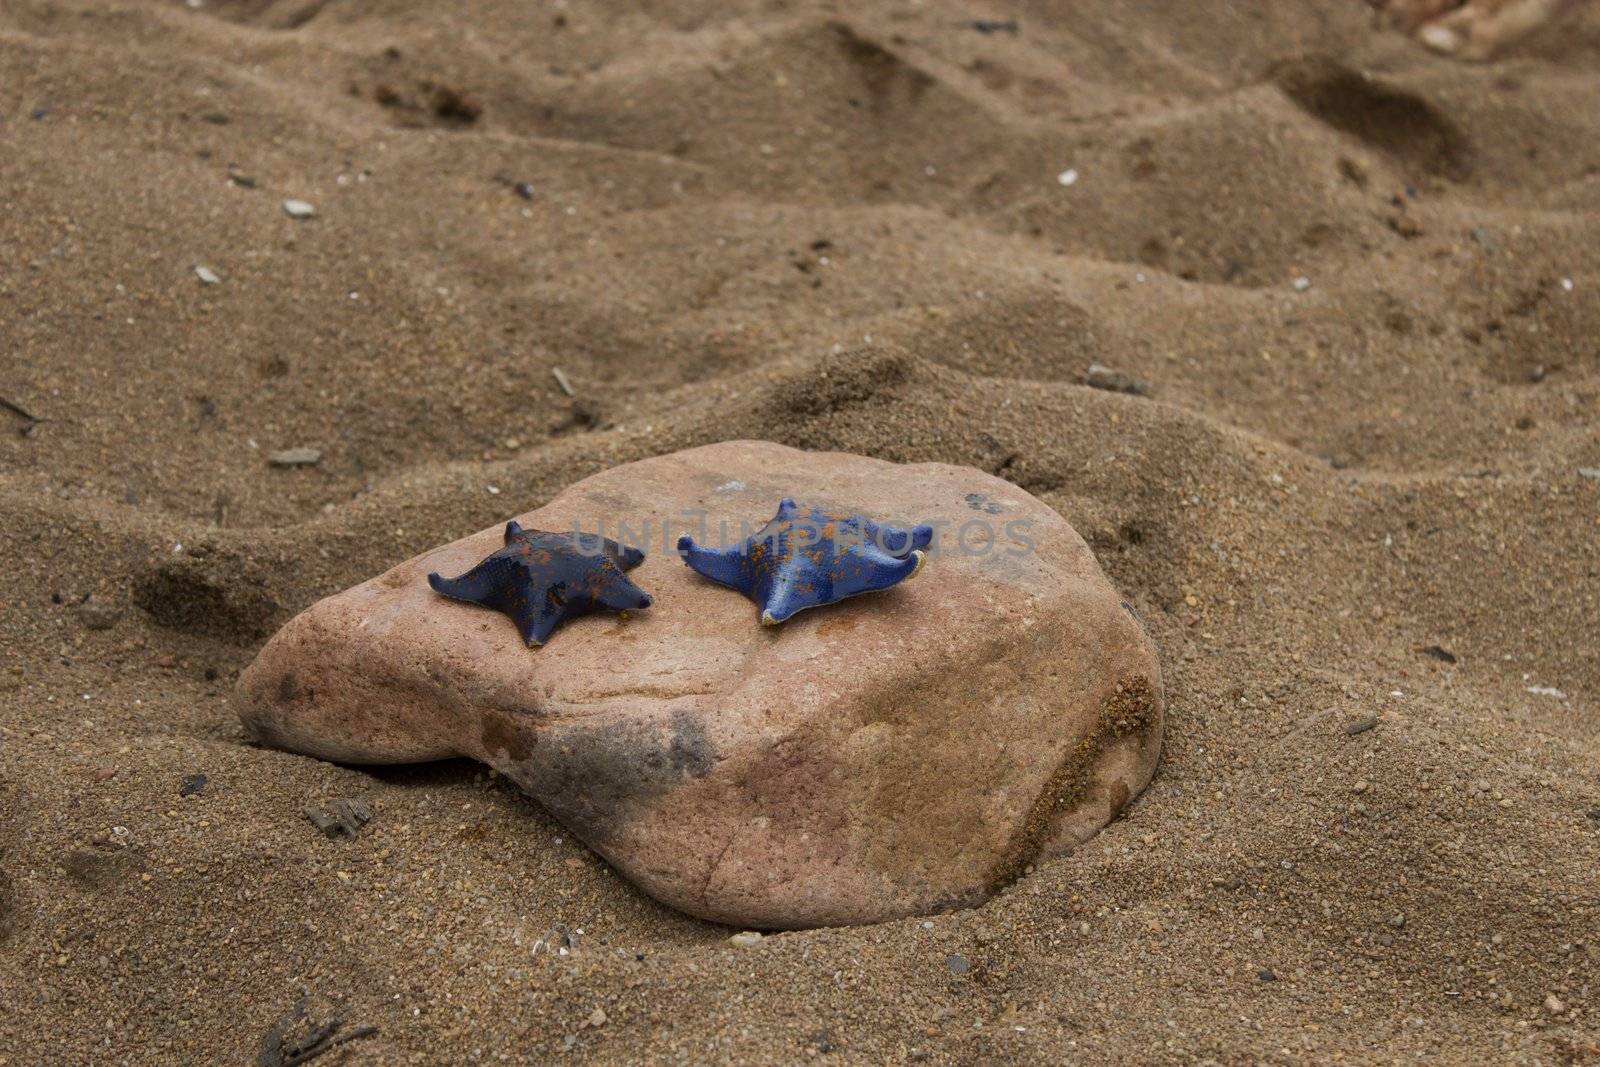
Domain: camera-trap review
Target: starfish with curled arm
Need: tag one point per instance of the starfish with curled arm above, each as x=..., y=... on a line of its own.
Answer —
x=804, y=559
x=541, y=579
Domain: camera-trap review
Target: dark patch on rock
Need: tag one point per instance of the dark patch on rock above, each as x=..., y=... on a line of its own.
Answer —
x=979, y=502
x=591, y=777
x=691, y=750
x=501, y=735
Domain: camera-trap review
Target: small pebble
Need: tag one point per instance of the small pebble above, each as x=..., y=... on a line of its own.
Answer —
x=192, y=785
x=597, y=1018
x=1361, y=726
x=1265, y=974
x=298, y=209
x=957, y=963
x=1553, y=1005
x=1302, y=284
x=1068, y=177
x=1591, y=473
x=745, y=939
x=98, y=614
x=345, y=818
x=206, y=275
x=1361, y=786
x=1114, y=381
x=295, y=457
x=1398, y=920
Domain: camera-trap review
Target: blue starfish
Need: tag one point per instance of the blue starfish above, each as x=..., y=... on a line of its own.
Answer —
x=542, y=579
x=806, y=559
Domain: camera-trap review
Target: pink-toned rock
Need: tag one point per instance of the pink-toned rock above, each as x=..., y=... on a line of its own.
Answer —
x=901, y=752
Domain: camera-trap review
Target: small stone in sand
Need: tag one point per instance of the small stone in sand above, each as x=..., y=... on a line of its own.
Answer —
x=1114, y=381
x=1068, y=177
x=295, y=457
x=1265, y=974
x=206, y=275
x=192, y=785
x=1302, y=284
x=1553, y=1005
x=298, y=209
x=346, y=818
x=98, y=614
x=1591, y=473
x=745, y=939
x=957, y=963
x=597, y=1018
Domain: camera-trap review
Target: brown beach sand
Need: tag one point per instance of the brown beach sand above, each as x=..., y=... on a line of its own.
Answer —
x=1355, y=502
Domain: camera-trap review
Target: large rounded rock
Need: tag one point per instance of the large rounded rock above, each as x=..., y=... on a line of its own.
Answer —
x=900, y=752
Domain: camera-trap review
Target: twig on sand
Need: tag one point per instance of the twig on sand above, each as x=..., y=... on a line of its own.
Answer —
x=277, y=1051
x=561, y=380
x=326, y=1038
x=19, y=411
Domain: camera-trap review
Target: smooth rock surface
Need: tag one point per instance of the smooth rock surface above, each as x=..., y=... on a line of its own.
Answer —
x=901, y=752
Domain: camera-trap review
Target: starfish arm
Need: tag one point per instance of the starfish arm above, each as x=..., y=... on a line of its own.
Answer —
x=620, y=594
x=782, y=602
x=725, y=567
x=537, y=619
x=513, y=531
x=899, y=542
x=484, y=584
x=868, y=568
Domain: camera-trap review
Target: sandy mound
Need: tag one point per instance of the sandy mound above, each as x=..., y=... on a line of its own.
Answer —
x=1359, y=281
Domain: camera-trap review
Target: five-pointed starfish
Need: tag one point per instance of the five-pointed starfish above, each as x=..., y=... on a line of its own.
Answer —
x=541, y=579
x=806, y=559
